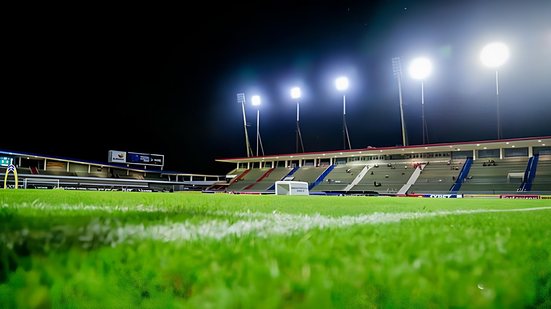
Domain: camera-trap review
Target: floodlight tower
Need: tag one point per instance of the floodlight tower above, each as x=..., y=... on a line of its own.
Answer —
x=420, y=68
x=397, y=69
x=296, y=94
x=494, y=55
x=341, y=84
x=241, y=100
x=256, y=102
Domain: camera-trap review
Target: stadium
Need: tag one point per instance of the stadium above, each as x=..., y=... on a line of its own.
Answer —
x=507, y=167
x=452, y=223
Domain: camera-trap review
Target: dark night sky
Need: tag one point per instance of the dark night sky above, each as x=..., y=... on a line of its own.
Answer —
x=81, y=80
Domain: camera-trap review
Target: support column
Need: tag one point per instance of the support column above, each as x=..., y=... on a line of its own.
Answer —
x=530, y=151
x=500, y=153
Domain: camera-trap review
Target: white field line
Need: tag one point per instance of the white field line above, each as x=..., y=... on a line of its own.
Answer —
x=265, y=225
x=238, y=224
x=104, y=208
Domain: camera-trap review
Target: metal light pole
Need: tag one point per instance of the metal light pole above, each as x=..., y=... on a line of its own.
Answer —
x=425, y=130
x=296, y=94
x=397, y=69
x=256, y=102
x=494, y=55
x=342, y=85
x=420, y=68
x=241, y=99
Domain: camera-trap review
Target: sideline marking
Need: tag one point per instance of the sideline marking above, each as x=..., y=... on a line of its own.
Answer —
x=265, y=225
x=237, y=224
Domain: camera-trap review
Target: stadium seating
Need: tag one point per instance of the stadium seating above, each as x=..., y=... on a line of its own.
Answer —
x=542, y=181
x=495, y=176
x=385, y=178
x=308, y=173
x=265, y=181
x=248, y=177
x=388, y=177
x=437, y=177
x=340, y=177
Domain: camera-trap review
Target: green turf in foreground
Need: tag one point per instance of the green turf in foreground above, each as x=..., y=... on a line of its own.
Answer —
x=55, y=253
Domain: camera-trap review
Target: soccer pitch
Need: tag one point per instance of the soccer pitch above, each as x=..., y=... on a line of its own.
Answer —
x=82, y=249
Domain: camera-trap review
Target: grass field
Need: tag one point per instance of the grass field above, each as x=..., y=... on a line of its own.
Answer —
x=80, y=249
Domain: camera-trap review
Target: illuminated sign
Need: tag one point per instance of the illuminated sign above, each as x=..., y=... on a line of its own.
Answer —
x=6, y=161
x=144, y=158
x=116, y=156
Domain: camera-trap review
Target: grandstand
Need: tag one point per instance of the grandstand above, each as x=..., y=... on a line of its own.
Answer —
x=41, y=171
x=507, y=166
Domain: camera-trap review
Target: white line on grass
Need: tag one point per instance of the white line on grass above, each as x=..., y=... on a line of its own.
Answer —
x=235, y=224
x=105, y=208
x=265, y=225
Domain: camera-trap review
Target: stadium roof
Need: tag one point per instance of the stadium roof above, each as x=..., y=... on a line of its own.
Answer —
x=442, y=147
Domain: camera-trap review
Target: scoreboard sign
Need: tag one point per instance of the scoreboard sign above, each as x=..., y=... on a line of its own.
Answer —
x=144, y=158
x=136, y=158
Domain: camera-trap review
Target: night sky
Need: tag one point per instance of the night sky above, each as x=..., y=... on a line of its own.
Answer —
x=82, y=80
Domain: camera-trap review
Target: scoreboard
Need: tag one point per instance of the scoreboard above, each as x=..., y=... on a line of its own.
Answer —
x=142, y=158
x=136, y=158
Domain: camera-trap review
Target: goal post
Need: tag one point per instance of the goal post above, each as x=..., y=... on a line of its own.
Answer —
x=40, y=182
x=291, y=188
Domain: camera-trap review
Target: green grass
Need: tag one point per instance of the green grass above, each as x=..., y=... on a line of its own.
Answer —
x=55, y=256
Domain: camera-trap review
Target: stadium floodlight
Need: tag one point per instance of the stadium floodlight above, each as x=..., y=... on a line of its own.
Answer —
x=255, y=99
x=495, y=55
x=397, y=70
x=241, y=100
x=296, y=94
x=341, y=84
x=420, y=68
